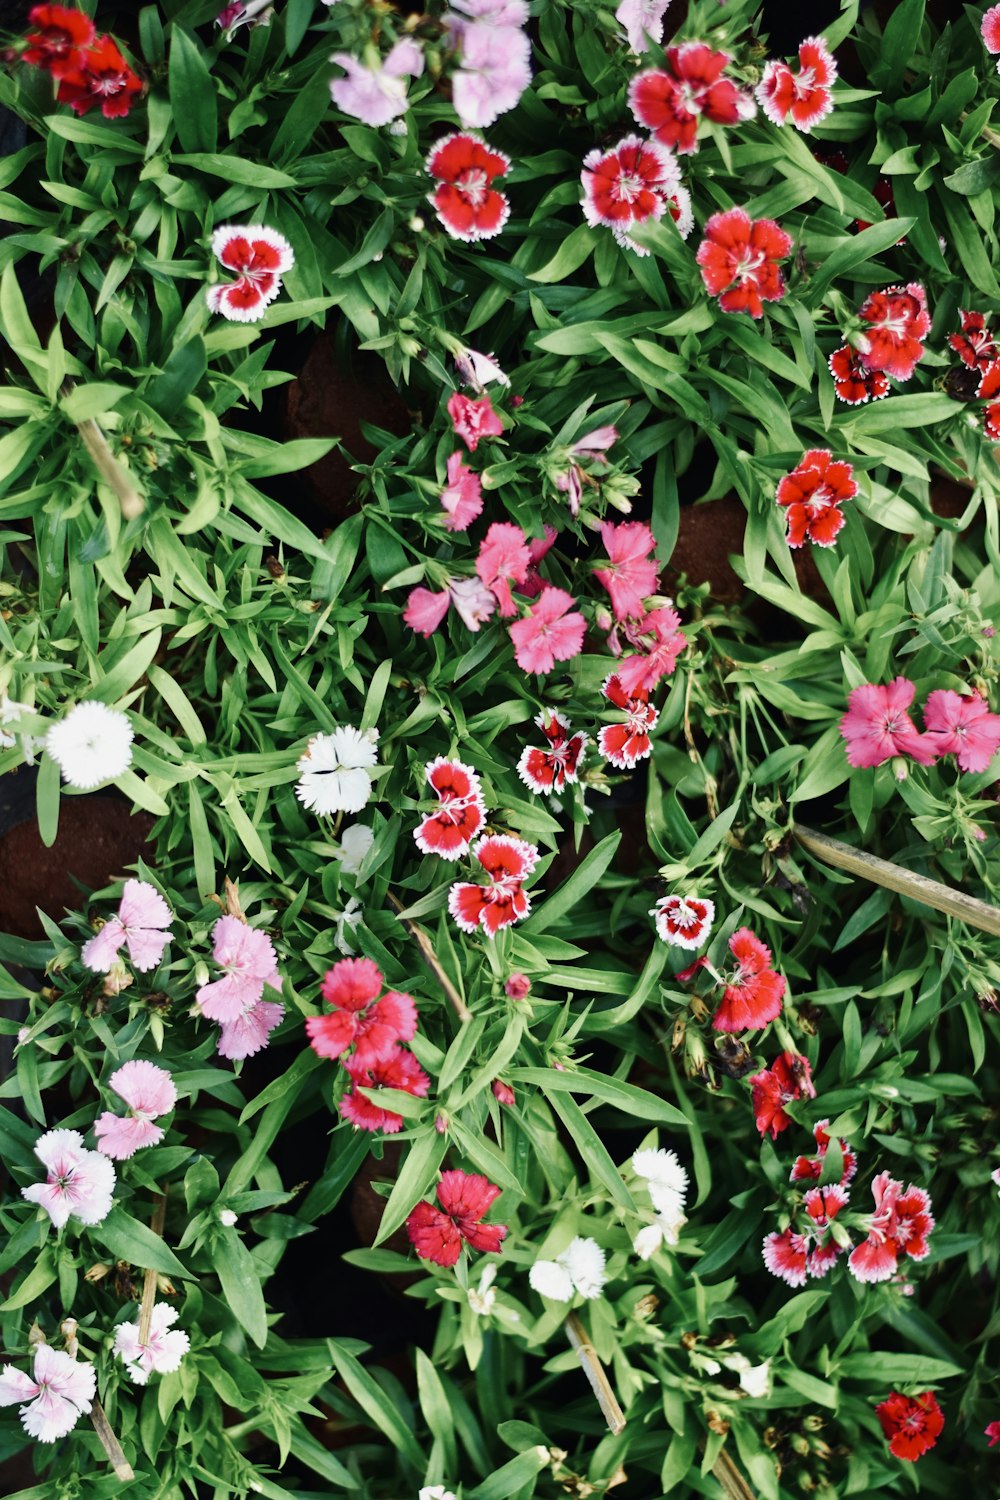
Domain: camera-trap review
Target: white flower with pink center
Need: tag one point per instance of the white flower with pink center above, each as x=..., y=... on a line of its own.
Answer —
x=79, y=1183
x=149, y=1092
x=59, y=1392
x=163, y=1350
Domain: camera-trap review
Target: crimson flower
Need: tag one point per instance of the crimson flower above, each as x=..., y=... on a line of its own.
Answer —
x=473, y=420
x=993, y=1430
x=437, y=1233
x=670, y=103
x=465, y=200
x=659, y=643
x=754, y=991
x=552, y=631
x=739, y=261
x=912, y=1424
x=61, y=37
x=550, y=769
x=976, y=345
x=627, y=743
x=460, y=814
x=631, y=574
x=398, y=1070
x=635, y=182
x=989, y=386
x=789, y=1078
x=961, y=724
x=259, y=256
x=361, y=1015
x=853, y=382
x=508, y=862
x=812, y=495
x=504, y=558
x=877, y=726
x=810, y=1168
x=897, y=320
x=99, y=76
x=803, y=97
x=901, y=1225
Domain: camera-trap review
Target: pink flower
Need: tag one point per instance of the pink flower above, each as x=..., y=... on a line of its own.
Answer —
x=684, y=921
x=460, y=813
x=473, y=420
x=361, y=1015
x=785, y=1255
x=660, y=643
x=877, y=726
x=61, y=1391
x=671, y=103
x=259, y=256
x=494, y=71
x=462, y=496
x=961, y=724
x=631, y=575
x=508, y=862
x=739, y=261
x=548, y=633
x=901, y=1225
x=248, y=961
x=465, y=200
x=398, y=1069
x=502, y=1092
x=142, y=924
x=537, y=548
x=163, y=1350
x=79, y=1183
x=249, y=1031
x=489, y=12
x=627, y=743
x=473, y=601
x=754, y=992
x=479, y=370
x=990, y=28
x=425, y=610
x=504, y=558
x=635, y=182
x=549, y=770
x=642, y=19
x=518, y=987
x=149, y=1092
x=377, y=95
x=812, y=495
x=805, y=97
x=789, y=1078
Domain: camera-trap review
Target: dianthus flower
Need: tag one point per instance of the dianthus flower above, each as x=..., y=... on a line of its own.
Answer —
x=635, y=182
x=91, y=744
x=552, y=631
x=259, y=256
x=961, y=724
x=376, y=95
x=335, y=771
x=976, y=345
x=163, y=1350
x=248, y=962
x=473, y=420
x=502, y=1093
x=671, y=103
x=877, y=726
x=149, y=1091
x=549, y=770
x=396, y=1069
x=896, y=320
x=642, y=20
x=465, y=200
x=361, y=1015
x=425, y=609
x=992, y=1431
x=626, y=744
x=462, y=496
x=666, y=1181
x=912, y=1424
x=355, y=842
x=631, y=574
x=574, y=476
x=989, y=388
x=683, y=921
x=812, y=495
x=853, y=382
x=739, y=261
x=659, y=643
x=79, y=1183
x=99, y=76
x=805, y=97
x=537, y=548
x=479, y=370
x=437, y=1234
x=250, y=1030
x=990, y=30
x=461, y=811
x=494, y=71
x=508, y=862
x=754, y=991
x=579, y=1269
x=786, y=1255
x=810, y=1168
x=60, y=1391
x=789, y=1078
x=62, y=34
x=504, y=558
x=901, y=1225
x=822, y=1205
x=142, y=925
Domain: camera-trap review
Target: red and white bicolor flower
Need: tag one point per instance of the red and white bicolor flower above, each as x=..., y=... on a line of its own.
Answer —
x=670, y=103
x=461, y=811
x=810, y=1168
x=625, y=744
x=465, y=200
x=635, y=182
x=508, y=862
x=794, y=1254
x=683, y=921
x=260, y=256
x=853, y=381
x=548, y=770
x=896, y=320
x=805, y=97
x=901, y=1225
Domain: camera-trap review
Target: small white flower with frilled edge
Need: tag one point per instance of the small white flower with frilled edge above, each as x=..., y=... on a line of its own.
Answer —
x=91, y=744
x=355, y=843
x=335, y=771
x=580, y=1268
x=79, y=1182
x=163, y=1350
x=481, y=1299
x=61, y=1390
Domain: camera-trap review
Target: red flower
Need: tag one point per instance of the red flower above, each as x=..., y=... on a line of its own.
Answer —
x=754, y=991
x=504, y=558
x=659, y=642
x=473, y=420
x=822, y=1206
x=877, y=726
x=883, y=195
x=853, y=382
x=548, y=633
x=989, y=386
x=517, y=986
x=813, y=494
x=810, y=1168
x=99, y=76
x=976, y=345
x=399, y=1070
x=635, y=182
x=465, y=200
x=437, y=1233
x=259, y=256
x=683, y=921
x=912, y=1424
x=961, y=724
x=549, y=770
x=628, y=743
x=804, y=97
x=990, y=28
x=508, y=862
x=788, y=1079
x=739, y=261
x=461, y=813
x=900, y=1225
x=669, y=104
x=631, y=574
x=361, y=1016
x=993, y=1430
x=63, y=35
x=897, y=320
x=786, y=1255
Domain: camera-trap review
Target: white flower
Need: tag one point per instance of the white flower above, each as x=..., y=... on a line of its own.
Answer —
x=671, y=1223
x=163, y=1350
x=355, y=843
x=10, y=713
x=580, y=1268
x=335, y=771
x=91, y=744
x=648, y=1241
x=78, y=1182
x=61, y=1390
x=754, y=1379
x=435, y=1492
x=666, y=1180
x=478, y=369
x=640, y=17
x=227, y=1217
x=481, y=1301
x=344, y=922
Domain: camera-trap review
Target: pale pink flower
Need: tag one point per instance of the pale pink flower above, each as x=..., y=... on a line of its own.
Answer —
x=549, y=633
x=503, y=559
x=425, y=610
x=590, y=446
x=494, y=71
x=56, y=1397
x=163, y=1350
x=142, y=925
x=479, y=370
x=642, y=19
x=462, y=496
x=473, y=420
x=631, y=574
x=377, y=95
x=79, y=1183
x=249, y=1032
x=990, y=28
x=248, y=961
x=877, y=726
x=473, y=601
x=492, y=12
x=961, y=724
x=148, y=1091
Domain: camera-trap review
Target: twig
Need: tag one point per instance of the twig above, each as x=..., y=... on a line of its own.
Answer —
x=462, y=1011
x=594, y=1371
x=112, y=1447
x=734, y=1486
x=111, y=470
x=149, y=1280
x=907, y=882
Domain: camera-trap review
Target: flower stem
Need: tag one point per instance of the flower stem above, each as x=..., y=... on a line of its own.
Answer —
x=149, y=1281
x=123, y=1469
x=111, y=470
x=462, y=1011
x=594, y=1371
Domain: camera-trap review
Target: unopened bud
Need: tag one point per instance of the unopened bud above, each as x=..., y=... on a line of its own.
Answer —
x=502, y=1092
x=517, y=987
x=900, y=767
x=97, y=1272
x=417, y=224
x=227, y=1217
x=441, y=1123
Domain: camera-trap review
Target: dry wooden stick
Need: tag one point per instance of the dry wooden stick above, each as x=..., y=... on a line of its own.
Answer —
x=112, y=1447
x=149, y=1280
x=734, y=1486
x=594, y=1371
x=111, y=470
x=462, y=1011
x=907, y=882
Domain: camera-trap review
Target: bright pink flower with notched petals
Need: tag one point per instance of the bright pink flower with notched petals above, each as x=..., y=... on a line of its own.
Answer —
x=549, y=770
x=992, y=1431
x=626, y=744
x=397, y=1069
x=462, y=496
x=142, y=925
x=877, y=726
x=853, y=382
x=508, y=862
x=149, y=1092
x=504, y=558
x=425, y=610
x=804, y=98
x=361, y=1015
x=753, y=994
x=552, y=631
x=537, y=548
x=990, y=28
x=631, y=574
x=901, y=1225
x=812, y=495
x=961, y=724
x=437, y=1234
x=465, y=200
x=460, y=814
x=897, y=320
x=659, y=642
x=739, y=261
x=670, y=104
x=473, y=420
x=789, y=1078
x=635, y=182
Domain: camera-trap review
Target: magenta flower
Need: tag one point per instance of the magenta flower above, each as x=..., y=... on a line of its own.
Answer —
x=631, y=574
x=148, y=1091
x=462, y=496
x=248, y=961
x=961, y=724
x=548, y=633
x=494, y=71
x=877, y=726
x=79, y=1183
x=60, y=1392
x=503, y=559
x=377, y=95
x=142, y=925
x=473, y=420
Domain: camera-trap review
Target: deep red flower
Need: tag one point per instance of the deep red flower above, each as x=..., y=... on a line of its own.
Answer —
x=635, y=182
x=897, y=320
x=437, y=1233
x=465, y=200
x=883, y=195
x=508, y=862
x=548, y=770
x=399, y=1070
x=739, y=261
x=989, y=386
x=822, y=1206
x=810, y=1168
x=473, y=420
x=626, y=744
x=853, y=382
x=61, y=36
x=812, y=495
x=976, y=345
x=789, y=1078
x=803, y=97
x=670, y=103
x=912, y=1424
x=361, y=1015
x=754, y=991
x=461, y=813
x=100, y=76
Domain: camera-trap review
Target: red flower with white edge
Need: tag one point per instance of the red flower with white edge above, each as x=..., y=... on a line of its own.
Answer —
x=810, y=1168
x=361, y=1015
x=462, y=496
x=635, y=182
x=99, y=76
x=900, y=1225
x=631, y=573
x=671, y=103
x=504, y=558
x=260, y=256
x=473, y=420
x=626, y=744
x=683, y=921
x=897, y=320
x=976, y=345
x=812, y=495
x=659, y=642
x=508, y=862
x=823, y=1205
x=399, y=1070
x=853, y=382
x=437, y=1234
x=912, y=1424
x=961, y=724
x=786, y=1255
x=62, y=34
x=460, y=815
x=990, y=28
x=989, y=386
x=465, y=200
x=548, y=770
x=551, y=631
x=753, y=994
x=804, y=98
x=789, y=1078
x=739, y=261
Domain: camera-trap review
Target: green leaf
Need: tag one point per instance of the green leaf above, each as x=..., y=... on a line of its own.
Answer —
x=192, y=93
x=415, y=1180
x=41, y=1276
x=633, y=1101
x=339, y=553
x=854, y=251
x=515, y=1477
x=239, y=1278
x=47, y=800
x=130, y=1240
x=87, y=401
x=376, y=1404
x=589, y=1144
x=235, y=169
x=580, y=884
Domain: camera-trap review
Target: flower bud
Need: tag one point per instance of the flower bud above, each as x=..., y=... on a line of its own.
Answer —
x=97, y=1271
x=227, y=1217
x=900, y=767
x=441, y=1123
x=517, y=987
x=502, y=1092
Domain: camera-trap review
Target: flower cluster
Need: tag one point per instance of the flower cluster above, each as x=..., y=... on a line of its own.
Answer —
x=550, y=769
x=892, y=324
x=437, y=1233
x=89, y=70
x=578, y=1271
x=236, y=1001
x=877, y=727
